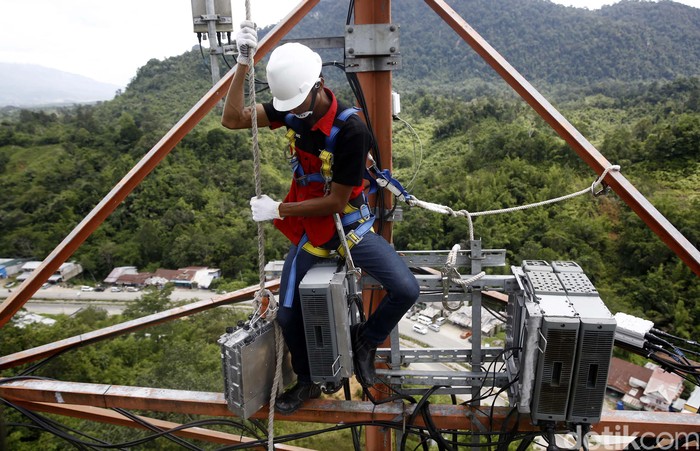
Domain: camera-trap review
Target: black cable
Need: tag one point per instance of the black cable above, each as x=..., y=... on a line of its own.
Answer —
x=221, y=45
x=670, y=366
x=453, y=398
x=351, y=8
x=666, y=334
x=416, y=410
x=498, y=315
x=675, y=363
x=201, y=51
x=525, y=443
x=432, y=429
x=55, y=428
x=41, y=363
x=355, y=432
x=677, y=351
x=154, y=428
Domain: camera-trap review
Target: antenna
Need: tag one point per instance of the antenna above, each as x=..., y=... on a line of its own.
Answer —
x=211, y=17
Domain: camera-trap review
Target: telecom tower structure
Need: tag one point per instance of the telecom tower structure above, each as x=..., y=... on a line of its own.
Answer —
x=374, y=66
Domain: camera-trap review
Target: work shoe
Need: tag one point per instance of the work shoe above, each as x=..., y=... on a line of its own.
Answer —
x=289, y=401
x=363, y=354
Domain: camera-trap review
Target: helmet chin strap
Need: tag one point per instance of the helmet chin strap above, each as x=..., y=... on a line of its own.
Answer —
x=310, y=111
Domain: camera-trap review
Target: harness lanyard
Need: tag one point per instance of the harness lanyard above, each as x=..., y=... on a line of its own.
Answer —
x=353, y=274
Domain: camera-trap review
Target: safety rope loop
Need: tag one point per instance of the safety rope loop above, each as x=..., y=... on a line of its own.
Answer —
x=599, y=180
x=451, y=275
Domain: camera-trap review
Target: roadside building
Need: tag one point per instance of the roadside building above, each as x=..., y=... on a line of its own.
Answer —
x=692, y=405
x=65, y=272
x=273, y=269
x=134, y=280
x=662, y=390
x=490, y=325
x=10, y=266
x=189, y=277
x=117, y=272
x=627, y=381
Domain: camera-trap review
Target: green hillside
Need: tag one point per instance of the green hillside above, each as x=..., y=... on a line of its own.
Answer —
x=548, y=43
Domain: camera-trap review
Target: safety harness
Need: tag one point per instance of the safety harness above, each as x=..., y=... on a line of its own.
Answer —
x=351, y=214
x=360, y=215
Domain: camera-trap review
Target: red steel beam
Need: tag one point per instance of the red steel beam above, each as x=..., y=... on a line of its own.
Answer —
x=56, y=347
x=207, y=403
x=376, y=86
x=112, y=417
x=613, y=422
x=144, y=167
x=627, y=192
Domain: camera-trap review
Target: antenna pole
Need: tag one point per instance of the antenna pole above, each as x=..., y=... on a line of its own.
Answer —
x=214, y=48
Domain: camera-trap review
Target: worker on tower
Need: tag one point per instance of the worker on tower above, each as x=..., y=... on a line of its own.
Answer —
x=327, y=179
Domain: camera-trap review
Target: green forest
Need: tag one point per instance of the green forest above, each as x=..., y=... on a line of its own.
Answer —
x=466, y=143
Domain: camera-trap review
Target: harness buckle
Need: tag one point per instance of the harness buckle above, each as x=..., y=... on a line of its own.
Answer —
x=353, y=237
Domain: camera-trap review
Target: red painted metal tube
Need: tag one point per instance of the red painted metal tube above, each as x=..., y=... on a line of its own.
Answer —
x=329, y=411
x=47, y=350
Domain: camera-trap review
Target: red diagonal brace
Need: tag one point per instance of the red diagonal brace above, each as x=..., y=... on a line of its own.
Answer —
x=47, y=350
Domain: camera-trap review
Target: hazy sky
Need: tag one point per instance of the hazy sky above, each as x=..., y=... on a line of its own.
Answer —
x=109, y=41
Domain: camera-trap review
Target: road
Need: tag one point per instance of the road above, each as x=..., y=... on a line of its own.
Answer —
x=448, y=337
x=48, y=300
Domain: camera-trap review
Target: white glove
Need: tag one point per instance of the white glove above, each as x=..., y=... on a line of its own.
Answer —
x=247, y=42
x=264, y=208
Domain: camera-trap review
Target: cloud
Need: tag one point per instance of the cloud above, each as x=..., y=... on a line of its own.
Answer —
x=106, y=41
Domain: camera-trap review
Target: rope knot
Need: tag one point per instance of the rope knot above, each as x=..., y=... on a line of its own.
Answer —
x=599, y=181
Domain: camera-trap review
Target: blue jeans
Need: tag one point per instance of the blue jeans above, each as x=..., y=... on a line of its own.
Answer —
x=378, y=259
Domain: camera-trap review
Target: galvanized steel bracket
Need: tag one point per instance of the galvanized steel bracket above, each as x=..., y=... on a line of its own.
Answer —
x=372, y=47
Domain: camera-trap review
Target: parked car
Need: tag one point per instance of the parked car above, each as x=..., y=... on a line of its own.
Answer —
x=420, y=328
x=115, y=289
x=45, y=286
x=9, y=284
x=132, y=289
x=424, y=320
x=99, y=288
x=86, y=288
x=414, y=318
x=440, y=321
x=434, y=327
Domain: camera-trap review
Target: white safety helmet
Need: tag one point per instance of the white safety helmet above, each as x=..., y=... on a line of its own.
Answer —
x=292, y=71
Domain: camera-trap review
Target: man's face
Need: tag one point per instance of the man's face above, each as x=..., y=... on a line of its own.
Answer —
x=305, y=105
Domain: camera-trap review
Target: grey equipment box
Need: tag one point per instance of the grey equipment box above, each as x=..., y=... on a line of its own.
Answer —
x=595, y=344
x=567, y=335
x=324, y=304
x=248, y=361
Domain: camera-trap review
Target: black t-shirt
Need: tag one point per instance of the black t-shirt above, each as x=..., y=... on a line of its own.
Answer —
x=351, y=145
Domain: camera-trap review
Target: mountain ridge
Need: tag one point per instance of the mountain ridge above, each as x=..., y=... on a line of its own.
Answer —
x=26, y=85
x=549, y=44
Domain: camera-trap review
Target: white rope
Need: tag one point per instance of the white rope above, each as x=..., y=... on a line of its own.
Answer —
x=263, y=292
x=454, y=276
x=445, y=210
